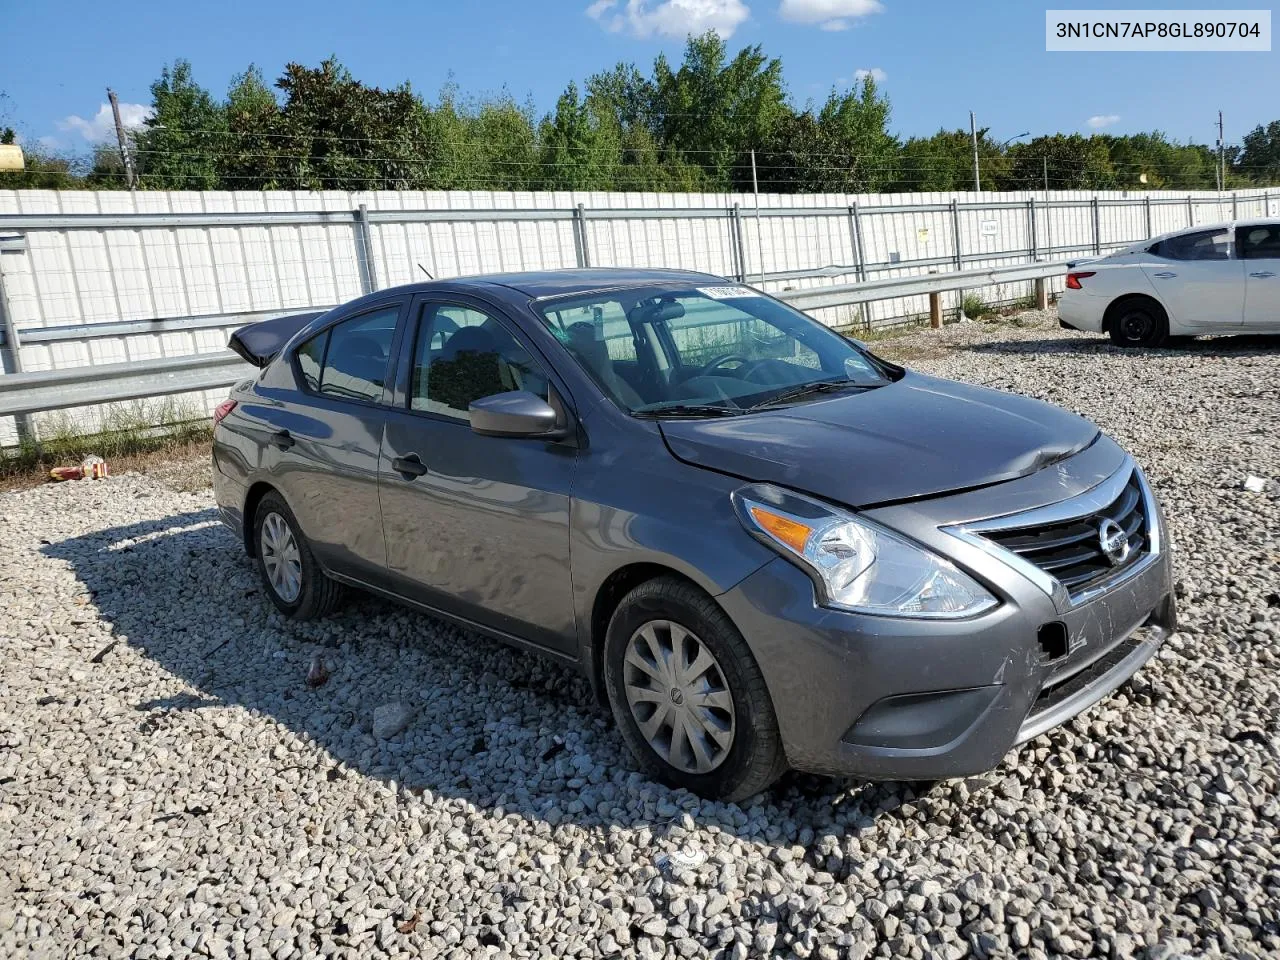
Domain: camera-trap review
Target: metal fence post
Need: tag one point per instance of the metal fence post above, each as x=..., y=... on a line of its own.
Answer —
x=959, y=255
x=12, y=356
x=364, y=251
x=1146, y=202
x=955, y=231
x=1191, y=211
x=1097, y=228
x=580, y=235
x=860, y=258
x=1031, y=221
x=855, y=236
x=735, y=226
x=1235, y=206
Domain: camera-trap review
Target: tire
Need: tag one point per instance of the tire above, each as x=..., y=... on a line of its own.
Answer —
x=735, y=730
x=1138, y=322
x=308, y=593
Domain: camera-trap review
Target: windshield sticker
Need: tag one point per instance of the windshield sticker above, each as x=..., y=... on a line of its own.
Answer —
x=726, y=293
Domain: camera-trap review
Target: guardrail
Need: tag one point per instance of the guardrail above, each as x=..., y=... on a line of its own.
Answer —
x=27, y=393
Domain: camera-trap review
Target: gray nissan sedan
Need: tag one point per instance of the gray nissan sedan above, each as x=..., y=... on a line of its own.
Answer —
x=765, y=546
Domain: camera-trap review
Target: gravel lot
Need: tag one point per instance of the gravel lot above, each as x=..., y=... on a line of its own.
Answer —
x=170, y=785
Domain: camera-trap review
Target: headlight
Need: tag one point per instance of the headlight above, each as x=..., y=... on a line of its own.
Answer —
x=858, y=565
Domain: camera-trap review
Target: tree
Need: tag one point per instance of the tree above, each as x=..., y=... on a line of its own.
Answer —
x=856, y=152
x=255, y=154
x=712, y=112
x=182, y=141
x=580, y=149
x=944, y=162
x=338, y=134
x=1073, y=162
x=1259, y=159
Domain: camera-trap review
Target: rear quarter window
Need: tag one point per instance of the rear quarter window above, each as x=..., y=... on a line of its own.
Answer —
x=311, y=360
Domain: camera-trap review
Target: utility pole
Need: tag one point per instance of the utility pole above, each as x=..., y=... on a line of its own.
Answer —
x=129, y=175
x=1222, y=156
x=1045, y=159
x=973, y=134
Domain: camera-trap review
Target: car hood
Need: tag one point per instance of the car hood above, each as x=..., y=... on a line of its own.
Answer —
x=917, y=437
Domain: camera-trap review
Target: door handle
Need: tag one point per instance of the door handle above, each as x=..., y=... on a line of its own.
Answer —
x=410, y=466
x=1164, y=275
x=283, y=439
x=1262, y=274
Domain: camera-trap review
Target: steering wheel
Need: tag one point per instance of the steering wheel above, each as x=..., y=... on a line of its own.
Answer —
x=717, y=361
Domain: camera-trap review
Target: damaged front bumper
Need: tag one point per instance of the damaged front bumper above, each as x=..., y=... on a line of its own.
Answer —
x=891, y=698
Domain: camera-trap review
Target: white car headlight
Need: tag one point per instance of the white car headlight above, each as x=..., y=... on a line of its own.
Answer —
x=858, y=565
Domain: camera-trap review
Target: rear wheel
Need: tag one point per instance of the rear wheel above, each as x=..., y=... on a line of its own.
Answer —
x=292, y=577
x=1137, y=322
x=688, y=695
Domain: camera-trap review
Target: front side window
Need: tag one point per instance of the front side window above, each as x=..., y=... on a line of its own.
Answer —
x=658, y=348
x=1261, y=242
x=348, y=361
x=1203, y=245
x=462, y=355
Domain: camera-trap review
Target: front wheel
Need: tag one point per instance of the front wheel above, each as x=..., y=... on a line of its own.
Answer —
x=1138, y=323
x=688, y=695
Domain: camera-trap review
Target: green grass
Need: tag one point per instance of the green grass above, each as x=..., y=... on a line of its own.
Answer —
x=141, y=428
x=974, y=307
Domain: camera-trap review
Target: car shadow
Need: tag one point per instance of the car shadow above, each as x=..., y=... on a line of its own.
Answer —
x=539, y=745
x=1235, y=345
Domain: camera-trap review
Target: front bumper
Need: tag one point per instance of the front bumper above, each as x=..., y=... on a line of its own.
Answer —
x=887, y=698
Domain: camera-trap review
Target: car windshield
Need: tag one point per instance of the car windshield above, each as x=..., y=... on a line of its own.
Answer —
x=712, y=350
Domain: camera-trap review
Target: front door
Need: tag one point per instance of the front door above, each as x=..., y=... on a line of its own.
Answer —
x=1198, y=280
x=476, y=526
x=1259, y=247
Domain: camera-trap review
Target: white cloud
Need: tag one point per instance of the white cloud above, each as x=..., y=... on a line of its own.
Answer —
x=669, y=18
x=103, y=126
x=875, y=73
x=1103, y=120
x=828, y=14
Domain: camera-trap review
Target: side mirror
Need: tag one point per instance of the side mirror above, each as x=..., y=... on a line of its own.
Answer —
x=517, y=413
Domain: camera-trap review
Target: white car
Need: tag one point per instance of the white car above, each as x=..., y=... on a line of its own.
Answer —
x=1218, y=278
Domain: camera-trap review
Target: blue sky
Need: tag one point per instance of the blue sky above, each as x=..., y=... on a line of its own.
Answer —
x=939, y=58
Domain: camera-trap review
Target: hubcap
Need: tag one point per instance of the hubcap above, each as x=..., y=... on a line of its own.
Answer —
x=1136, y=326
x=678, y=696
x=281, y=558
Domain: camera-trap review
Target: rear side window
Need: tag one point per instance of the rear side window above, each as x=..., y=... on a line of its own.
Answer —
x=1202, y=245
x=1261, y=242
x=349, y=360
x=311, y=360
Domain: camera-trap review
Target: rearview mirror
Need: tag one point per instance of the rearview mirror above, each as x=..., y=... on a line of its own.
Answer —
x=517, y=413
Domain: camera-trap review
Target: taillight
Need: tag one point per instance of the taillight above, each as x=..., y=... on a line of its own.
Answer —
x=221, y=410
x=1073, y=279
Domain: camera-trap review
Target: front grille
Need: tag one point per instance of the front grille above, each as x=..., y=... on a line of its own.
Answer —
x=1071, y=550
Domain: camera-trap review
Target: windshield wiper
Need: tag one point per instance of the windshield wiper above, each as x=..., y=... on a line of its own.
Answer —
x=813, y=386
x=689, y=410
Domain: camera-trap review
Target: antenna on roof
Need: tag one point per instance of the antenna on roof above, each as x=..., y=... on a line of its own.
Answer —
x=426, y=271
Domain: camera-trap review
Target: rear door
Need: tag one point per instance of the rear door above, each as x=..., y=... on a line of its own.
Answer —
x=323, y=440
x=476, y=526
x=1259, y=247
x=1198, y=279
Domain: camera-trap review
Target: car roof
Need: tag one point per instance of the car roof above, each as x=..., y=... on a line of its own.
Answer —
x=537, y=284
x=1215, y=225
